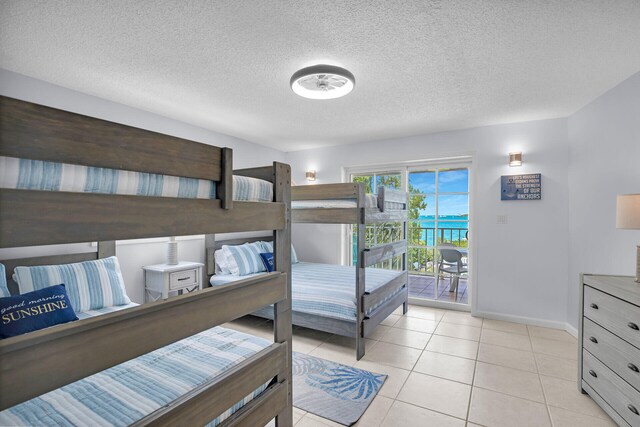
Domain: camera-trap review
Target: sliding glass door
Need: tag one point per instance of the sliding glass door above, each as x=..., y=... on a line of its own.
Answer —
x=438, y=229
x=439, y=233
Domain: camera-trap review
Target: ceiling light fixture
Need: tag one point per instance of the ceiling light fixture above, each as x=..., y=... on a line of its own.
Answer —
x=322, y=82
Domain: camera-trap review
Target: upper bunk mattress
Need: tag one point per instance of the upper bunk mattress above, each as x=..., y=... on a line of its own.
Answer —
x=326, y=290
x=371, y=202
x=123, y=394
x=27, y=174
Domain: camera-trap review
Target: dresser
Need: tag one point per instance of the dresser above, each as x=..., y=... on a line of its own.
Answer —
x=609, y=345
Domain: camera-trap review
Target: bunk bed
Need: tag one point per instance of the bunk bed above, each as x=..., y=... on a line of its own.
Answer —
x=349, y=301
x=252, y=390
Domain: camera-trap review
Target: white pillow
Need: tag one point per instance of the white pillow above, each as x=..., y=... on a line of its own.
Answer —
x=91, y=285
x=222, y=266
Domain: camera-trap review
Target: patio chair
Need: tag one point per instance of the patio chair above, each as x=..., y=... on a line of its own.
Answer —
x=451, y=263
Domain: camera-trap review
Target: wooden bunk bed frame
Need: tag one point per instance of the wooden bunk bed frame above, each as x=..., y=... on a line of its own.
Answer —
x=47, y=359
x=361, y=216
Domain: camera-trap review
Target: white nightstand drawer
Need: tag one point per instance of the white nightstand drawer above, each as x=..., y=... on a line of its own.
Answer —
x=181, y=279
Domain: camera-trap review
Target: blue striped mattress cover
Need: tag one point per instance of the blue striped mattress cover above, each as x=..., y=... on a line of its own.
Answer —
x=325, y=290
x=28, y=174
x=370, y=202
x=125, y=393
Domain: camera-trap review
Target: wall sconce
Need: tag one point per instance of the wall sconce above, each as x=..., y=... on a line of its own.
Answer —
x=515, y=159
x=311, y=175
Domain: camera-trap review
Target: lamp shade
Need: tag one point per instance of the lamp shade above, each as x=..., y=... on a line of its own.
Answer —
x=628, y=211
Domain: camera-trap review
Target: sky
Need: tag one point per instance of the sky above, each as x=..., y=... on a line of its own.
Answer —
x=451, y=181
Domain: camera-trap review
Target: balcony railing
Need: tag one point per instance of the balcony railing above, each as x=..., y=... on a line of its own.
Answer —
x=422, y=244
x=422, y=256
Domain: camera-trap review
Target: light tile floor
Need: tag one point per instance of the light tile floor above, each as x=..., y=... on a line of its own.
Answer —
x=447, y=368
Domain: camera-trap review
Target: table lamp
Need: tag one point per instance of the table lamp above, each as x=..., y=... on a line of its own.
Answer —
x=172, y=251
x=628, y=217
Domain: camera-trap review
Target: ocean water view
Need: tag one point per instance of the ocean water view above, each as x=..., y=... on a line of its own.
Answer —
x=452, y=228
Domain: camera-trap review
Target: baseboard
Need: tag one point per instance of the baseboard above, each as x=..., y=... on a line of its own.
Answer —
x=564, y=326
x=439, y=304
x=571, y=330
x=526, y=320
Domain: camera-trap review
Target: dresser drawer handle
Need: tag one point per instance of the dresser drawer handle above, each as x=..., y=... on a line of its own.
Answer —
x=633, y=409
x=594, y=306
x=593, y=373
x=633, y=326
x=633, y=367
x=183, y=278
x=593, y=340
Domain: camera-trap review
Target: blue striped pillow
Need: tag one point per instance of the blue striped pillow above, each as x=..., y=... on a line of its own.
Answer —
x=268, y=247
x=4, y=290
x=244, y=259
x=91, y=285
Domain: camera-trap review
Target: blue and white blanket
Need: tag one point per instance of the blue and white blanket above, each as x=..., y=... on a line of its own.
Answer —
x=28, y=174
x=127, y=392
x=326, y=290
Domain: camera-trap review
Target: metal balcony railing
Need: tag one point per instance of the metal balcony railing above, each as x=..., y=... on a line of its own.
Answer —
x=423, y=242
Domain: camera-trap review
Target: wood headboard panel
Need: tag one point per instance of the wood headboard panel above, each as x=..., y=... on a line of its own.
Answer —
x=33, y=131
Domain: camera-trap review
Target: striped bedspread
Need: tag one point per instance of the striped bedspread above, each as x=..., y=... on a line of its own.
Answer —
x=52, y=176
x=326, y=290
x=127, y=392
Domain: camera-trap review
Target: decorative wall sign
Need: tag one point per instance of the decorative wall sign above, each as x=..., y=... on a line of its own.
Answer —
x=521, y=187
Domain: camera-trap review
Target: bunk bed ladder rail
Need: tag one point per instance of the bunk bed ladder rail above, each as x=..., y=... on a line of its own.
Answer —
x=396, y=291
x=360, y=272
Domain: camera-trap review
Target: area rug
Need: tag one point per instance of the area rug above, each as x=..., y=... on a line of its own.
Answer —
x=333, y=391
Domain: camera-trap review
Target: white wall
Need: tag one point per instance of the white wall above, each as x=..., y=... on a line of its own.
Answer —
x=132, y=256
x=521, y=267
x=604, y=140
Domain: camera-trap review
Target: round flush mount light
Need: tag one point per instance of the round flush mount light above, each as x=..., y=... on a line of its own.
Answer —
x=322, y=82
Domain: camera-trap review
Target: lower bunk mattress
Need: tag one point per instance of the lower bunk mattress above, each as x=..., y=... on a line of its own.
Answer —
x=326, y=290
x=123, y=394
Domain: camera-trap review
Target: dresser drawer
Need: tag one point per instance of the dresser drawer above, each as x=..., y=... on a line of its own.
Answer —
x=620, y=356
x=623, y=398
x=180, y=279
x=619, y=317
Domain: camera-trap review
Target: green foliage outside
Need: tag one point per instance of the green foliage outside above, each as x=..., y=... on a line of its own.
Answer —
x=420, y=259
x=377, y=234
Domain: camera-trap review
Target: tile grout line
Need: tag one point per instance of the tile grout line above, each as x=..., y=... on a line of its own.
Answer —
x=544, y=392
x=473, y=378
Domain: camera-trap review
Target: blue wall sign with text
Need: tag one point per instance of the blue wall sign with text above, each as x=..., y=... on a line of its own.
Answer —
x=521, y=187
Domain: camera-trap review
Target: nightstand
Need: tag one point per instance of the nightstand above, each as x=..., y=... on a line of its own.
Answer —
x=161, y=280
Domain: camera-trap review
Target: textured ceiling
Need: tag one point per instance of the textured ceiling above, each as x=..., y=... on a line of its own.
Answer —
x=420, y=66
